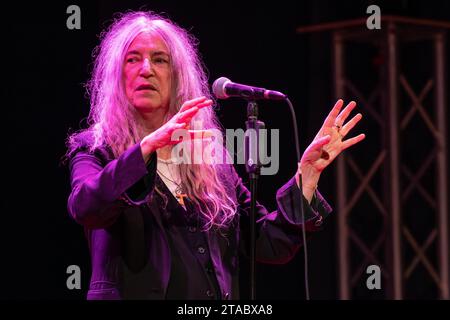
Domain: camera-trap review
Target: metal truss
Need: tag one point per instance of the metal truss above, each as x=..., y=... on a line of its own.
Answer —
x=389, y=214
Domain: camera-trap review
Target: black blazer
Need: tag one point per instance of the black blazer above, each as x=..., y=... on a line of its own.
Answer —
x=114, y=200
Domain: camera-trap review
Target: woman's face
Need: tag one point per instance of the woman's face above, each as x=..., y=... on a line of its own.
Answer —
x=147, y=73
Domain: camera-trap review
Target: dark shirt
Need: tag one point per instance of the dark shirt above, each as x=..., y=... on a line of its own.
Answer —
x=192, y=275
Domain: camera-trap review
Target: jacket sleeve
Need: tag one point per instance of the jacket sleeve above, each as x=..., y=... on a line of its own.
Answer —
x=100, y=192
x=279, y=234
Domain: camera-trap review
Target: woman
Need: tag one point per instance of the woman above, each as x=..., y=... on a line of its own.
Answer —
x=158, y=229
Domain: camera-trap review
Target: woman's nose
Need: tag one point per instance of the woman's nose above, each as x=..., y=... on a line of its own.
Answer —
x=146, y=68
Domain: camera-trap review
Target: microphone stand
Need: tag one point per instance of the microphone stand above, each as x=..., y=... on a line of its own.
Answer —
x=252, y=166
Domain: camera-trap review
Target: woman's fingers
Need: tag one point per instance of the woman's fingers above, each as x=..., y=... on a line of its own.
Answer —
x=192, y=103
x=340, y=119
x=200, y=134
x=180, y=125
x=330, y=119
x=349, y=125
x=349, y=142
x=206, y=103
x=192, y=109
x=188, y=111
x=186, y=115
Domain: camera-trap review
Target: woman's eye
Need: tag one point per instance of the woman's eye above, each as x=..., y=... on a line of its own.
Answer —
x=131, y=60
x=160, y=60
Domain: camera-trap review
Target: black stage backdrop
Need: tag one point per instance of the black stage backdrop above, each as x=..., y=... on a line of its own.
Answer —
x=45, y=66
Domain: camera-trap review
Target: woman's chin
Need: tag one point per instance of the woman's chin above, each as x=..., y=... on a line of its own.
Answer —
x=147, y=107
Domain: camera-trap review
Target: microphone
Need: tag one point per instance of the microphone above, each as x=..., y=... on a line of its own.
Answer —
x=223, y=88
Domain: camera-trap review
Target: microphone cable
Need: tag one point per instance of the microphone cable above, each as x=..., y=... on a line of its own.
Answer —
x=302, y=209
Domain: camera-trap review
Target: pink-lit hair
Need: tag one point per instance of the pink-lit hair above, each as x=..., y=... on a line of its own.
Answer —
x=114, y=122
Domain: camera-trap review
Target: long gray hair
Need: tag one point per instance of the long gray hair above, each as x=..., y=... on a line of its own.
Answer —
x=114, y=121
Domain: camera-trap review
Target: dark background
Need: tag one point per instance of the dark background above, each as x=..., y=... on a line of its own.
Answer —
x=254, y=43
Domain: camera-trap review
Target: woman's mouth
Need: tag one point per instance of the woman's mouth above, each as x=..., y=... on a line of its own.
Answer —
x=146, y=87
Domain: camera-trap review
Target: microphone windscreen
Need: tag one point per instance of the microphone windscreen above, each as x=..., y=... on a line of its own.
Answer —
x=218, y=88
